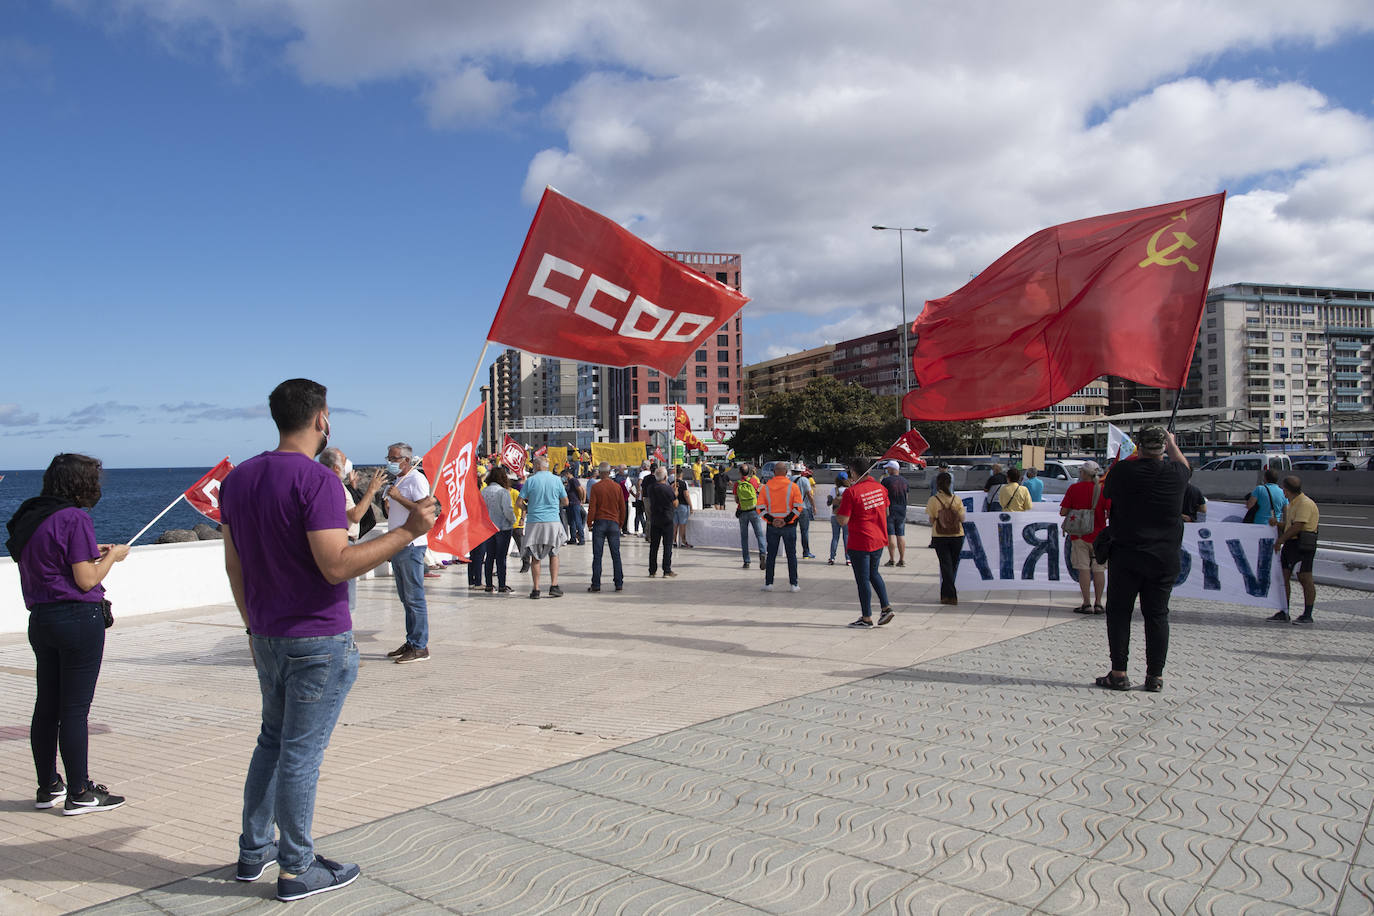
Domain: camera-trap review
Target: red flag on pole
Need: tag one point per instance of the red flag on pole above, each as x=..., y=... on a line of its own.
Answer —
x=463, y=521
x=909, y=448
x=682, y=429
x=584, y=288
x=542, y=450
x=203, y=495
x=513, y=455
x=1120, y=294
x=658, y=454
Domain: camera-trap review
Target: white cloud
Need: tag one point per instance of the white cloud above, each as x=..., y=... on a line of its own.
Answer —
x=784, y=129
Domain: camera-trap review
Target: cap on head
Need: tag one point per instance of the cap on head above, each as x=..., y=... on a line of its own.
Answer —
x=1152, y=438
x=893, y=466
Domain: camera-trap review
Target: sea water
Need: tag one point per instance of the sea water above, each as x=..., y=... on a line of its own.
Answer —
x=130, y=498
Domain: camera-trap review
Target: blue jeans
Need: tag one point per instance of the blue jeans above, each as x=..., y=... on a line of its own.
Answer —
x=577, y=517
x=787, y=535
x=606, y=533
x=68, y=640
x=805, y=524
x=838, y=534
x=497, y=547
x=866, y=563
x=751, y=519
x=304, y=682
x=408, y=566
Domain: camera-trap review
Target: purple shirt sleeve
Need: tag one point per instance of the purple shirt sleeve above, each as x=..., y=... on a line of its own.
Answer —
x=324, y=505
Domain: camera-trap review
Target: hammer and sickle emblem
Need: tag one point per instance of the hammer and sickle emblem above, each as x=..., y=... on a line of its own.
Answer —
x=1181, y=240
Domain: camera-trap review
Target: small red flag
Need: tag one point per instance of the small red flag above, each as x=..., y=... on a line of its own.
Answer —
x=658, y=454
x=909, y=448
x=203, y=495
x=584, y=288
x=682, y=429
x=463, y=521
x=513, y=455
x=1120, y=294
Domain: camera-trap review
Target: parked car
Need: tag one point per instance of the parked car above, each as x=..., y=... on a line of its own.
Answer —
x=1323, y=464
x=1061, y=469
x=1250, y=462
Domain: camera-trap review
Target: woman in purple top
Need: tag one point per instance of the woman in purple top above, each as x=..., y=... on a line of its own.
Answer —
x=60, y=571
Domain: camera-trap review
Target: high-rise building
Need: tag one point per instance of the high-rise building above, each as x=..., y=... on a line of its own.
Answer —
x=1291, y=356
x=873, y=361
x=712, y=376
x=532, y=393
x=784, y=373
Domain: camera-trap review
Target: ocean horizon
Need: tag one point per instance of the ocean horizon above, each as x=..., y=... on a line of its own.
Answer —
x=131, y=498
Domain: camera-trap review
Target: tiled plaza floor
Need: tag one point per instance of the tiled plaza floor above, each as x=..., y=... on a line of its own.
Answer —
x=712, y=749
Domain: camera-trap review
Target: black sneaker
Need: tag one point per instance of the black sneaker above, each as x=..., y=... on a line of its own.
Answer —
x=1280, y=617
x=886, y=617
x=94, y=798
x=594, y=588
x=746, y=565
x=252, y=872
x=401, y=650
x=555, y=591
x=863, y=623
x=322, y=876
x=534, y=593
x=53, y=795
x=412, y=654
x=670, y=575
x=1304, y=620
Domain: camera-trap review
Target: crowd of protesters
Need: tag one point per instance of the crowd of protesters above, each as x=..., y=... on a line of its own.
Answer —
x=296, y=521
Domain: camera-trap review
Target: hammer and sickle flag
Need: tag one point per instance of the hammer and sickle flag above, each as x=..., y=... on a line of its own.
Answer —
x=1120, y=294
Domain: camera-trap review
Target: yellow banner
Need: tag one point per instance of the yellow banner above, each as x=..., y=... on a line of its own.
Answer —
x=558, y=458
x=627, y=453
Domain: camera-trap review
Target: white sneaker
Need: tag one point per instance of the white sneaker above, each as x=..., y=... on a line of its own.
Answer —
x=766, y=588
x=796, y=588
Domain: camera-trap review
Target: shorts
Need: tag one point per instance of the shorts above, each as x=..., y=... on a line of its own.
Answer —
x=1081, y=557
x=542, y=539
x=896, y=524
x=680, y=515
x=1294, y=559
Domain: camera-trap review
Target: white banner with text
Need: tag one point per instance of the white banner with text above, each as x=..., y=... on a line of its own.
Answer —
x=1228, y=562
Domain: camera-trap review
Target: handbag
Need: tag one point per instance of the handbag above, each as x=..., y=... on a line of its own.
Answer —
x=1083, y=521
x=1102, y=546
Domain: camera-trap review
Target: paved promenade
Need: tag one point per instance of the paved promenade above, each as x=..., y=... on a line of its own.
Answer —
x=695, y=745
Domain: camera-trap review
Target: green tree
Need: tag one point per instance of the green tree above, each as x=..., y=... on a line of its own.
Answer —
x=829, y=419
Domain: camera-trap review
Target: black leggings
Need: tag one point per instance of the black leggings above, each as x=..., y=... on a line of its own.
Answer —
x=68, y=642
x=947, y=550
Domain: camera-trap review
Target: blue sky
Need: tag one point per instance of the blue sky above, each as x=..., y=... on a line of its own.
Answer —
x=201, y=199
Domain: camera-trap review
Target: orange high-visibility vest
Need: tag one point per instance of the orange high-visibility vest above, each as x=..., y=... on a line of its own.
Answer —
x=780, y=498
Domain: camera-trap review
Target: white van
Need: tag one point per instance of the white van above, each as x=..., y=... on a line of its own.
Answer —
x=1255, y=461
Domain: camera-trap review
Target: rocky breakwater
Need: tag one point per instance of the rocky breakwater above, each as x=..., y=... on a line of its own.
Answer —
x=201, y=532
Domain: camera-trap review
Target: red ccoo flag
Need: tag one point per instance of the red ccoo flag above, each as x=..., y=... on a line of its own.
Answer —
x=513, y=455
x=463, y=521
x=203, y=495
x=584, y=288
x=909, y=448
x=1120, y=294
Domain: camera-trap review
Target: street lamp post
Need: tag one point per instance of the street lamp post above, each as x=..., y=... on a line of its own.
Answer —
x=1330, y=385
x=901, y=260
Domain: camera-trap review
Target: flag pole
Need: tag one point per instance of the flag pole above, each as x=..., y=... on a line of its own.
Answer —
x=462, y=406
x=1178, y=399
x=180, y=497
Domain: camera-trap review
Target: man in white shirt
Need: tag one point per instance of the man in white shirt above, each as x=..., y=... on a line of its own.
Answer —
x=408, y=566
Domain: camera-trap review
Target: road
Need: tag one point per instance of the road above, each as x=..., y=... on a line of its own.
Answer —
x=1347, y=527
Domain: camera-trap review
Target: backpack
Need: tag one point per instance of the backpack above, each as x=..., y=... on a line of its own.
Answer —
x=746, y=497
x=1083, y=521
x=947, y=520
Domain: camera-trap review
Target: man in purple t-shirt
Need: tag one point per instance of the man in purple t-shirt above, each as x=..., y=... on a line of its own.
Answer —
x=288, y=558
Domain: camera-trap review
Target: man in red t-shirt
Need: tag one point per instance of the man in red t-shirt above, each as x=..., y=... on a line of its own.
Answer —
x=863, y=510
x=1080, y=496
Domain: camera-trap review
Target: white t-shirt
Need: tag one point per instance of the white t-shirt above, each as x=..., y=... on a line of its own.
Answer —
x=414, y=487
x=349, y=503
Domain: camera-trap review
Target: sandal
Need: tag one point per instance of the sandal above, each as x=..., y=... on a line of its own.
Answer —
x=1099, y=609
x=1083, y=609
x=1153, y=684
x=1111, y=683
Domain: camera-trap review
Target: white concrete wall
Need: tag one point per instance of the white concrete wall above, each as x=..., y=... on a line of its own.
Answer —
x=154, y=578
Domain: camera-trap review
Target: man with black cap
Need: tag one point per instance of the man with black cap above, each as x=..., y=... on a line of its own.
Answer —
x=1146, y=525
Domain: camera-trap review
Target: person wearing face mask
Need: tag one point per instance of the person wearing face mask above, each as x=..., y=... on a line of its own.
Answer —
x=287, y=555
x=338, y=462
x=408, y=566
x=61, y=567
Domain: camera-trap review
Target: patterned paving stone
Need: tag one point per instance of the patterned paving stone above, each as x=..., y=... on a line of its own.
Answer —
x=993, y=781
